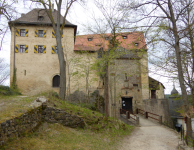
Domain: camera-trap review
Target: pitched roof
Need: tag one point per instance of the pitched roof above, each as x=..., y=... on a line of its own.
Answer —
x=154, y=84
x=99, y=41
x=31, y=18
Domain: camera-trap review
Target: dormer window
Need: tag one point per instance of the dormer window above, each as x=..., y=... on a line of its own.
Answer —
x=40, y=18
x=136, y=44
x=89, y=39
x=124, y=37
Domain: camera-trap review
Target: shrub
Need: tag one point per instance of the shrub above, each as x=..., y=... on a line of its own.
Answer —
x=6, y=90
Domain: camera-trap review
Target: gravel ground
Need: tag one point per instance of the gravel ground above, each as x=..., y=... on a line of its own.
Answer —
x=151, y=136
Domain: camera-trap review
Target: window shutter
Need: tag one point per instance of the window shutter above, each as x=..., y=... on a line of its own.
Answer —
x=26, y=33
x=17, y=32
x=53, y=49
x=16, y=48
x=35, y=49
x=26, y=48
x=36, y=33
x=44, y=33
x=53, y=34
x=44, y=49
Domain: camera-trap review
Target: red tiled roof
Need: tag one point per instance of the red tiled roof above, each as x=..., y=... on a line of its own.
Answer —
x=98, y=41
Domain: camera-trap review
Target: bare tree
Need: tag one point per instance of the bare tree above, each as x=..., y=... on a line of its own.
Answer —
x=170, y=22
x=7, y=12
x=4, y=71
x=58, y=28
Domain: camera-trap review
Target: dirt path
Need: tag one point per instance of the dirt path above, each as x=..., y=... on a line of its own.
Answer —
x=151, y=136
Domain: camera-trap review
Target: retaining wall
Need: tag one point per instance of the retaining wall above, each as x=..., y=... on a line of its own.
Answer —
x=29, y=121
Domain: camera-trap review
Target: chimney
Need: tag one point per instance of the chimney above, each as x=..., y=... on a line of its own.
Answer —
x=52, y=7
x=22, y=15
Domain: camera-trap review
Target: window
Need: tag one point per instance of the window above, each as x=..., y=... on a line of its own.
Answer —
x=106, y=38
x=22, y=32
x=56, y=50
x=124, y=37
x=56, y=81
x=40, y=33
x=136, y=44
x=153, y=94
x=40, y=49
x=89, y=39
x=125, y=76
x=40, y=18
x=22, y=48
x=135, y=85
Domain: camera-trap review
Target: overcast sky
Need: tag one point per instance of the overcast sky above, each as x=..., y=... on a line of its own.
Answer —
x=81, y=16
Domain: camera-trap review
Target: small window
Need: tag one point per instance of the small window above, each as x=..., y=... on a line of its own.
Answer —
x=22, y=32
x=40, y=18
x=40, y=33
x=56, y=81
x=135, y=85
x=56, y=50
x=89, y=39
x=22, y=48
x=136, y=44
x=40, y=49
x=106, y=38
x=124, y=37
x=125, y=76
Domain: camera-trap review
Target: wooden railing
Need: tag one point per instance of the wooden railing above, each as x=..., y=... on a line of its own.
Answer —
x=146, y=115
x=129, y=115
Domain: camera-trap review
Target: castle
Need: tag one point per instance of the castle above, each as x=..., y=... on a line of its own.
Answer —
x=34, y=54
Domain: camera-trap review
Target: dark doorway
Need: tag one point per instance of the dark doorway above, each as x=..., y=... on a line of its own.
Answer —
x=153, y=94
x=56, y=81
x=127, y=104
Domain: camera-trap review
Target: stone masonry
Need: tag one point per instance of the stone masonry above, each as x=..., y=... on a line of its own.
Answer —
x=31, y=120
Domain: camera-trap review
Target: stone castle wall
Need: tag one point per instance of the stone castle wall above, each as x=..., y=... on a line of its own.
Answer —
x=159, y=107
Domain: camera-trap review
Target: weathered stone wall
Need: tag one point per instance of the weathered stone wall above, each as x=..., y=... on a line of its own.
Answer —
x=18, y=126
x=29, y=121
x=159, y=107
x=53, y=115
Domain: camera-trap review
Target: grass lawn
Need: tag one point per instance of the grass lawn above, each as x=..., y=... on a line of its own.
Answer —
x=12, y=106
x=58, y=137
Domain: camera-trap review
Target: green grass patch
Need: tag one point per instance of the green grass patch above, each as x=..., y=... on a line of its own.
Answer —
x=56, y=136
x=12, y=106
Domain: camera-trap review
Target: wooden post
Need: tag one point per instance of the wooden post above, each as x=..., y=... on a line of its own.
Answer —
x=127, y=115
x=146, y=115
x=137, y=121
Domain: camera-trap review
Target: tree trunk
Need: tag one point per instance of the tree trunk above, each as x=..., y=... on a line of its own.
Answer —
x=106, y=93
x=62, y=64
x=180, y=69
